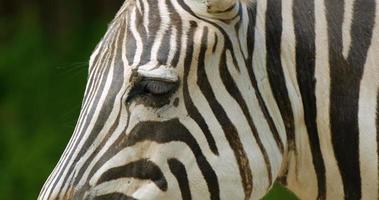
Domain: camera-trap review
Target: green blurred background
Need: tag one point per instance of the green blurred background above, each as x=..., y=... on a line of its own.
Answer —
x=44, y=49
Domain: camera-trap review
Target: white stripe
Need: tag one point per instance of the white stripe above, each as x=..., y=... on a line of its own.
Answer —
x=243, y=31
x=301, y=175
x=334, y=186
x=139, y=44
x=163, y=27
x=346, y=26
x=146, y=15
x=173, y=45
x=368, y=152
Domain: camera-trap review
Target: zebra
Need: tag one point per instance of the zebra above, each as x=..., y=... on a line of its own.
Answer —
x=220, y=99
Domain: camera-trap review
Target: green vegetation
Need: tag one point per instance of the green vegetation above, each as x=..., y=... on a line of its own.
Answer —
x=44, y=48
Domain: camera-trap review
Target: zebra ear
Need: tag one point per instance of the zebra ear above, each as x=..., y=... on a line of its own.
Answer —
x=219, y=6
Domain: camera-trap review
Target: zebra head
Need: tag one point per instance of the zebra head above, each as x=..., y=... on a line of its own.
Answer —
x=172, y=110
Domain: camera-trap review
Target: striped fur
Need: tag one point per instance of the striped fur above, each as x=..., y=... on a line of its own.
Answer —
x=192, y=99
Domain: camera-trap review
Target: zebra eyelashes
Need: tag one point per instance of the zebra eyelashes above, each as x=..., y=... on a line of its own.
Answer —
x=152, y=91
x=157, y=87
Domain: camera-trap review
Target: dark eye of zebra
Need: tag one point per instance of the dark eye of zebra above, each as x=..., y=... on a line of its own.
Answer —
x=152, y=90
x=157, y=88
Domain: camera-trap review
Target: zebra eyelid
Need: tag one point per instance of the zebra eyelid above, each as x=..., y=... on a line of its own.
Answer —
x=162, y=72
x=158, y=87
x=154, y=88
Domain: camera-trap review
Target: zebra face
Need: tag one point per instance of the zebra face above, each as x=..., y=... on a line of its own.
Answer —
x=162, y=113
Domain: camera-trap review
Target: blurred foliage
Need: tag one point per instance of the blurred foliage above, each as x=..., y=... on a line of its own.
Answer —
x=44, y=48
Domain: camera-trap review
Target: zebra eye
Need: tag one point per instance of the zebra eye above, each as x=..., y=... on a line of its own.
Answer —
x=152, y=89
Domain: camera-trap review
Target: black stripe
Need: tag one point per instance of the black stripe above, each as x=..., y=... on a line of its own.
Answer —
x=233, y=91
x=140, y=26
x=141, y=169
x=192, y=111
x=250, y=41
x=346, y=76
x=154, y=18
x=228, y=127
x=169, y=131
x=164, y=48
x=141, y=6
x=215, y=43
x=154, y=25
x=274, y=68
x=304, y=21
x=118, y=196
x=176, y=23
x=179, y=171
